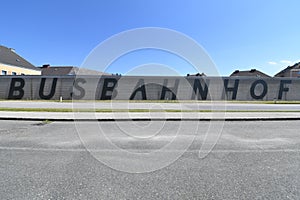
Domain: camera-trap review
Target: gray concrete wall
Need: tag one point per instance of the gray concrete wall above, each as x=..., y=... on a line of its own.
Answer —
x=149, y=88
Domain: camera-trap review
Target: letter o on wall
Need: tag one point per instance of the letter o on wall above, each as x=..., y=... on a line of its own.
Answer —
x=264, y=91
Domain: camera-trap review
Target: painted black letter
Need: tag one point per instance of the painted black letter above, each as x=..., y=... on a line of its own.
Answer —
x=201, y=92
x=140, y=87
x=52, y=91
x=233, y=89
x=172, y=91
x=16, y=88
x=80, y=89
x=264, y=91
x=282, y=88
x=108, y=86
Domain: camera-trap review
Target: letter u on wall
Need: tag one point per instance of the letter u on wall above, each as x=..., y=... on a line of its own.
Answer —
x=52, y=90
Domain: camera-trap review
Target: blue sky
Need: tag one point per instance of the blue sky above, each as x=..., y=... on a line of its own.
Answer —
x=237, y=34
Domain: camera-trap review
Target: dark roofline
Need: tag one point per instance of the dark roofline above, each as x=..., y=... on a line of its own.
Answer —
x=69, y=70
x=247, y=72
x=8, y=56
x=287, y=68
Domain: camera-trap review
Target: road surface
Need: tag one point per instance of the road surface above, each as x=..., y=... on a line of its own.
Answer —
x=251, y=160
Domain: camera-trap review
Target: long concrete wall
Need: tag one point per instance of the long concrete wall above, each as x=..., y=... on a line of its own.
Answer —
x=148, y=88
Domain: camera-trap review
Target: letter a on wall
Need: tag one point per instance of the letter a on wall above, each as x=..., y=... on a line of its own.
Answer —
x=139, y=88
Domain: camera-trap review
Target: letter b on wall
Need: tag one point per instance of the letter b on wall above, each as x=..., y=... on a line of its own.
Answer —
x=16, y=88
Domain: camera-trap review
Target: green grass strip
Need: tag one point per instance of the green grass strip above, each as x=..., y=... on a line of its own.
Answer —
x=161, y=101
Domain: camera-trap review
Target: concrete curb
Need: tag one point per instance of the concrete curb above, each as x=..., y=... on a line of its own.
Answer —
x=126, y=120
x=218, y=116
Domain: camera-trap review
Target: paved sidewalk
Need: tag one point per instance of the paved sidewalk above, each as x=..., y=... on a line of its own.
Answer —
x=239, y=111
x=220, y=106
x=125, y=116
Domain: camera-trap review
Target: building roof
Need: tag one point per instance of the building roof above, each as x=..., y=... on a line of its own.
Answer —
x=251, y=73
x=198, y=74
x=284, y=72
x=10, y=57
x=48, y=70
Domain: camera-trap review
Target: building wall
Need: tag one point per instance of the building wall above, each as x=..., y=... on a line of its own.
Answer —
x=149, y=88
x=18, y=70
x=292, y=73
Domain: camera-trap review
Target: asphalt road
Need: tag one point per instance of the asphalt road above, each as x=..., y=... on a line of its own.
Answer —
x=178, y=106
x=251, y=160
